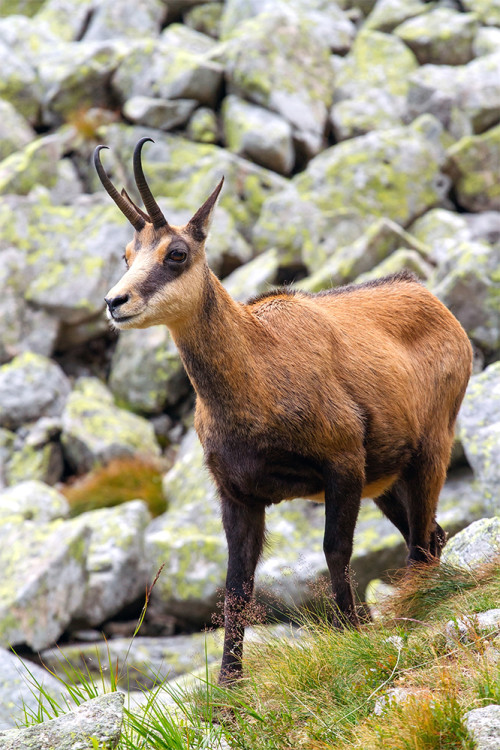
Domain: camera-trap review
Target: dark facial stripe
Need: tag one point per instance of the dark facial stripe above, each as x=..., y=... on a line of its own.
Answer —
x=161, y=274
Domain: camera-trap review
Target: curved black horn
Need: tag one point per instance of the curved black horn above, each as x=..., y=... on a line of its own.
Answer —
x=150, y=204
x=125, y=207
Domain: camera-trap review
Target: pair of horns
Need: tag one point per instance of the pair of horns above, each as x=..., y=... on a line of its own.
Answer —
x=133, y=213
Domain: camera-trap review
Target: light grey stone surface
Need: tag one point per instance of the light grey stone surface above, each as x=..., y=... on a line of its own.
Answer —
x=31, y=386
x=94, y=430
x=484, y=724
x=466, y=629
x=19, y=688
x=475, y=545
x=33, y=501
x=99, y=719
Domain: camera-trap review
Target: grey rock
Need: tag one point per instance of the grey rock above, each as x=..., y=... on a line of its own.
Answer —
x=487, y=10
x=164, y=114
x=31, y=386
x=117, y=573
x=487, y=41
x=65, y=18
x=94, y=430
x=33, y=501
x=255, y=277
x=205, y=18
x=203, y=126
x=258, y=134
x=76, y=76
x=7, y=439
x=20, y=684
x=43, y=463
x=474, y=546
x=345, y=264
x=125, y=19
x=400, y=260
x=371, y=85
x=15, y=131
x=483, y=724
x=471, y=166
x=19, y=84
x=484, y=226
x=387, y=14
x=466, y=629
x=36, y=163
x=167, y=69
x=146, y=370
x=441, y=36
x=43, y=574
x=266, y=52
x=441, y=231
x=474, y=89
x=327, y=20
x=99, y=719
x=479, y=425
x=467, y=282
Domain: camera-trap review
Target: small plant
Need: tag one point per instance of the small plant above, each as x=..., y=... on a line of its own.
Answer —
x=120, y=481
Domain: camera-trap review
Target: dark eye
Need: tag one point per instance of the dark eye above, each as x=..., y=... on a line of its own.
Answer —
x=177, y=255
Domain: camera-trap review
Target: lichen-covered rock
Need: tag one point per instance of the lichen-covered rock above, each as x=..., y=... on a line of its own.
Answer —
x=441, y=36
x=146, y=370
x=141, y=663
x=76, y=75
x=15, y=131
x=255, y=277
x=441, y=231
x=205, y=18
x=32, y=501
x=75, y=255
x=35, y=163
x=475, y=545
x=327, y=20
x=66, y=19
x=260, y=135
x=472, y=89
x=117, y=572
x=468, y=283
x=19, y=689
x=484, y=226
x=96, y=721
x=472, y=165
x=188, y=173
x=387, y=14
x=392, y=173
x=203, y=126
x=347, y=263
x=265, y=53
x=31, y=386
x=167, y=69
x=371, y=85
x=125, y=19
x=479, y=426
x=7, y=439
x=487, y=41
x=43, y=574
x=19, y=84
x=164, y=114
x=487, y=10
x=483, y=724
x=37, y=462
x=402, y=259
x=94, y=430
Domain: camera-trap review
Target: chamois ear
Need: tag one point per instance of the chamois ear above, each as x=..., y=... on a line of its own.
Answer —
x=199, y=225
x=139, y=210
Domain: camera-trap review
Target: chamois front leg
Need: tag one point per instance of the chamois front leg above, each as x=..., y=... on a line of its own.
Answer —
x=342, y=501
x=244, y=527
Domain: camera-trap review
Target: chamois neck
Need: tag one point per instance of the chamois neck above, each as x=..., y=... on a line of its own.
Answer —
x=216, y=343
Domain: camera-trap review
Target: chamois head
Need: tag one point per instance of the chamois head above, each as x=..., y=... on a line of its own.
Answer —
x=165, y=263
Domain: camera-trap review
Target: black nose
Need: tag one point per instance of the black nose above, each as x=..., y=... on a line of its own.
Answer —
x=116, y=301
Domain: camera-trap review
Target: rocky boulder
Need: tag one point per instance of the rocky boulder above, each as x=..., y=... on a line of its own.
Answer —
x=475, y=546
x=94, y=430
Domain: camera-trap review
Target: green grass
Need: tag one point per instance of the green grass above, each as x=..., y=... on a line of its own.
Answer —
x=318, y=691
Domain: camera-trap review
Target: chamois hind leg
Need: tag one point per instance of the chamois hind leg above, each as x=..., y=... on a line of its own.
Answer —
x=342, y=501
x=394, y=505
x=424, y=478
x=244, y=527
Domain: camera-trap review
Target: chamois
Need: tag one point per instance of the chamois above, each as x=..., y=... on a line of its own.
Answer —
x=349, y=393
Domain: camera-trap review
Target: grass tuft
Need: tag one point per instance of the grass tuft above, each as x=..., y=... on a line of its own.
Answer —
x=120, y=481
